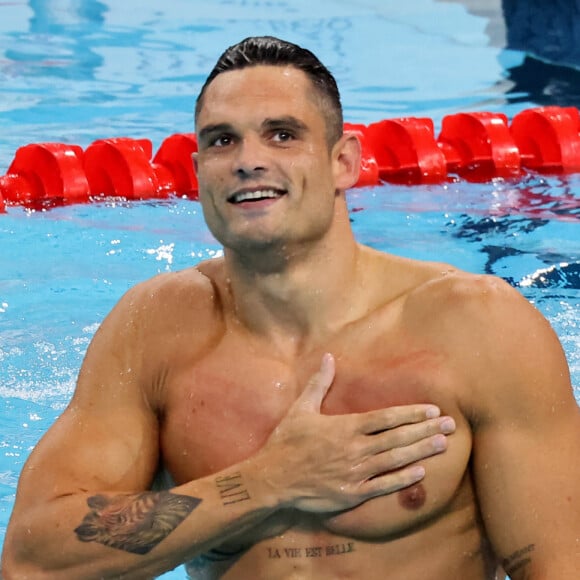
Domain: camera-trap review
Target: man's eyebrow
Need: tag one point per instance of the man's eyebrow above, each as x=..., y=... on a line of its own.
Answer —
x=212, y=129
x=286, y=121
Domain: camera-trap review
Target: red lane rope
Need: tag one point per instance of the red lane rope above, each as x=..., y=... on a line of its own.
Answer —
x=475, y=146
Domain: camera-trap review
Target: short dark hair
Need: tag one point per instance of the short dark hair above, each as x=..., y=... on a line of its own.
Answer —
x=271, y=51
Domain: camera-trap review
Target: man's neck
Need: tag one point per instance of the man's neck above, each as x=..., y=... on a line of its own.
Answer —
x=304, y=295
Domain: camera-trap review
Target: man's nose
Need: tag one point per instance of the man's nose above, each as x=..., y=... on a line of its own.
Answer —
x=251, y=157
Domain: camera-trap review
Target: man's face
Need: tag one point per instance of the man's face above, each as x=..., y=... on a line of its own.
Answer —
x=266, y=175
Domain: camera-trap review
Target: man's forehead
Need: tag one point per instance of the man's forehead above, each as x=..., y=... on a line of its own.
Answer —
x=265, y=87
x=258, y=78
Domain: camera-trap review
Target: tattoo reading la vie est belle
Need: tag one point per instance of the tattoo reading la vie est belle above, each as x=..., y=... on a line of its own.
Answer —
x=311, y=551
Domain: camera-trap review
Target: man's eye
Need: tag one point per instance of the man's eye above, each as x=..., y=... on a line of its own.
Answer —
x=222, y=141
x=283, y=136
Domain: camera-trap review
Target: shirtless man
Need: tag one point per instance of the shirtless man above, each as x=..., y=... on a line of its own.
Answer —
x=324, y=410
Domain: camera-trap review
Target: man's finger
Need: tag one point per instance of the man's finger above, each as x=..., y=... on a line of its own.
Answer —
x=391, y=417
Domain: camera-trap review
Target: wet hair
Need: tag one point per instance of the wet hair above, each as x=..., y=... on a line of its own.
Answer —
x=271, y=51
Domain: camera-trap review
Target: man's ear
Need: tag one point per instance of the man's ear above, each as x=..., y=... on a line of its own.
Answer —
x=194, y=159
x=346, y=160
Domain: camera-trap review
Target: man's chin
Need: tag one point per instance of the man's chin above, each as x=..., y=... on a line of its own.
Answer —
x=269, y=253
x=255, y=244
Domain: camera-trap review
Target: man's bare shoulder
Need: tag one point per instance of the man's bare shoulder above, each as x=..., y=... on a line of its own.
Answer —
x=192, y=288
x=473, y=309
x=500, y=343
x=424, y=283
x=156, y=311
x=464, y=298
x=448, y=299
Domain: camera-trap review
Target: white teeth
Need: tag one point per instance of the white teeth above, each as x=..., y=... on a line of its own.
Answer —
x=247, y=195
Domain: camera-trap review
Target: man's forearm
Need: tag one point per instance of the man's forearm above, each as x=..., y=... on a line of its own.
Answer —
x=137, y=535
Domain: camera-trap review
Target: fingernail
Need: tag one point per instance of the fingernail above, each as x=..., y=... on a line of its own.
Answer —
x=432, y=412
x=417, y=473
x=447, y=425
x=327, y=360
x=439, y=442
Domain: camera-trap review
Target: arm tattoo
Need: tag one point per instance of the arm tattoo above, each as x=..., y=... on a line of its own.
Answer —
x=135, y=523
x=519, y=560
x=231, y=488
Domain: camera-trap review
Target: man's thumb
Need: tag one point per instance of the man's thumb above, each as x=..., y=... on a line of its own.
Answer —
x=318, y=385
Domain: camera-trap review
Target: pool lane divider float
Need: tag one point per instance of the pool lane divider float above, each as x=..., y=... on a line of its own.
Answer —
x=475, y=146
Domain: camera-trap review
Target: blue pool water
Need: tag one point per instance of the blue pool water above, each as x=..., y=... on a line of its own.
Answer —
x=77, y=70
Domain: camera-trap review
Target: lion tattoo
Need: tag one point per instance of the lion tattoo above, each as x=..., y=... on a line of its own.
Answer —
x=134, y=523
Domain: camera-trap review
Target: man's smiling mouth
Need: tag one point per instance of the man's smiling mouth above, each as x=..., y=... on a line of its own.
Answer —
x=255, y=195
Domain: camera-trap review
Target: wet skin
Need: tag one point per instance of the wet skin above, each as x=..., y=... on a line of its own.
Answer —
x=213, y=376
x=220, y=424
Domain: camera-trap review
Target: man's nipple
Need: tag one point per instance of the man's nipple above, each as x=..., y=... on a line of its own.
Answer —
x=413, y=497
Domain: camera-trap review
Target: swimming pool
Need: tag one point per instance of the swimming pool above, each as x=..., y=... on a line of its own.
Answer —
x=75, y=71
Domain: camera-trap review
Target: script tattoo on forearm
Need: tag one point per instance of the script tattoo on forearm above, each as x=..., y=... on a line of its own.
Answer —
x=134, y=523
x=231, y=488
x=519, y=560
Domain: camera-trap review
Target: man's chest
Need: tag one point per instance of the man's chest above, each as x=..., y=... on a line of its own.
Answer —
x=222, y=409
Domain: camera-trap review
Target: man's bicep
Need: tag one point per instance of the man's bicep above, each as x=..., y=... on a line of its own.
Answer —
x=90, y=450
x=107, y=438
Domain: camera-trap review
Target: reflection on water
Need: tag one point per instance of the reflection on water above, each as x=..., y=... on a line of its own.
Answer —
x=60, y=40
x=563, y=275
x=527, y=223
x=543, y=83
x=548, y=30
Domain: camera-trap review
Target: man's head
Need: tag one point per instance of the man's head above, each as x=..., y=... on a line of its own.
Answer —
x=270, y=51
x=272, y=157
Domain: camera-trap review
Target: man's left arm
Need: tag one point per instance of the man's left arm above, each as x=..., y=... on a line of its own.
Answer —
x=526, y=446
